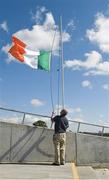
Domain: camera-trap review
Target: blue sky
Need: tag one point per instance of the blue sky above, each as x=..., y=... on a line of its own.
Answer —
x=86, y=56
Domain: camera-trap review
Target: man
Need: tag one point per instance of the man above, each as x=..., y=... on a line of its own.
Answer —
x=59, y=137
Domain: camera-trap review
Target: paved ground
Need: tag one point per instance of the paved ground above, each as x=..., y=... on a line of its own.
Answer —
x=35, y=171
x=88, y=173
x=46, y=171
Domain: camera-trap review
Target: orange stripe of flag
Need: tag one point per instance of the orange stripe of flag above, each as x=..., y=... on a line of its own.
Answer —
x=13, y=51
x=18, y=41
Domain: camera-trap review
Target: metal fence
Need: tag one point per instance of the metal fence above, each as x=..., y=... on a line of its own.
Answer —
x=21, y=117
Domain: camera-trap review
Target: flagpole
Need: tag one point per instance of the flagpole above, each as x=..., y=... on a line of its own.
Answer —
x=62, y=63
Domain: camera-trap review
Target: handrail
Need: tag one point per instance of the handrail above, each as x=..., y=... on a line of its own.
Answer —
x=91, y=124
x=22, y=112
x=34, y=114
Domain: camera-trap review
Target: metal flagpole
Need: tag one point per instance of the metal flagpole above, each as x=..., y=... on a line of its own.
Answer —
x=62, y=63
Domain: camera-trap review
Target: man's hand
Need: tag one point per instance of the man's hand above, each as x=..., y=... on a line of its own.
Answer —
x=52, y=115
x=52, y=118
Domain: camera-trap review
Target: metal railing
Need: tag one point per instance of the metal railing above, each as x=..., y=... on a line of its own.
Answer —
x=78, y=123
x=90, y=124
x=24, y=113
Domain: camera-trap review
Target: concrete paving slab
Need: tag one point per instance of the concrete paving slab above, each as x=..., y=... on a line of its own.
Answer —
x=46, y=171
x=102, y=174
x=35, y=171
x=86, y=173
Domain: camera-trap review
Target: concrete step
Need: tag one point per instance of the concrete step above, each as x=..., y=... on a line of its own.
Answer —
x=90, y=173
x=102, y=174
x=86, y=172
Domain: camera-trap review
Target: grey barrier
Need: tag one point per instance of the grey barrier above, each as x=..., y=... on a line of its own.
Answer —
x=26, y=144
x=22, y=143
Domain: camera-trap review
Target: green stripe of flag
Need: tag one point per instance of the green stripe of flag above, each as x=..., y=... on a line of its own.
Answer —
x=44, y=60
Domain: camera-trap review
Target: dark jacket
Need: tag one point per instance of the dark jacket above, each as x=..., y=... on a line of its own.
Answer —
x=61, y=124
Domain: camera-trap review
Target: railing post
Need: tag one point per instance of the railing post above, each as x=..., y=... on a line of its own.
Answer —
x=78, y=127
x=23, y=118
x=102, y=131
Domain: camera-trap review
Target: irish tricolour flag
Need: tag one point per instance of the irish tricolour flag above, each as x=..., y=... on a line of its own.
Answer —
x=35, y=59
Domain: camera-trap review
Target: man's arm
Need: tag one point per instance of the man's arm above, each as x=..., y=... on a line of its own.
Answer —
x=53, y=118
x=66, y=124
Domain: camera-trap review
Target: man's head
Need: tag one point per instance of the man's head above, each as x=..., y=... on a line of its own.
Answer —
x=63, y=112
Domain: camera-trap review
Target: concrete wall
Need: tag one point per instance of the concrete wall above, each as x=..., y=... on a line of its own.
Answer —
x=92, y=149
x=21, y=143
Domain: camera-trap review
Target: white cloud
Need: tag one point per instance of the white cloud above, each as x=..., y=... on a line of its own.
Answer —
x=15, y=118
x=93, y=63
x=100, y=33
x=96, y=72
x=106, y=87
x=36, y=102
x=78, y=119
x=69, y=109
x=77, y=110
x=5, y=49
x=29, y=119
x=86, y=84
x=4, y=26
x=92, y=60
x=40, y=36
x=71, y=24
x=37, y=17
x=104, y=122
